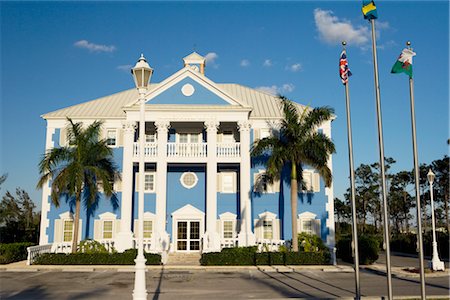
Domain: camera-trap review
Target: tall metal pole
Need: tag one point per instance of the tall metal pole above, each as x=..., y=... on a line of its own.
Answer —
x=416, y=178
x=140, y=291
x=352, y=187
x=382, y=167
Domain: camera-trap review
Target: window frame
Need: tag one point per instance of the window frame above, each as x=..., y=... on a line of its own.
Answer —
x=267, y=223
x=64, y=230
x=146, y=191
x=109, y=231
x=229, y=188
x=227, y=231
x=108, y=130
x=148, y=231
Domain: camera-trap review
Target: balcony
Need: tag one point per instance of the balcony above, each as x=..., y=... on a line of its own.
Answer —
x=191, y=150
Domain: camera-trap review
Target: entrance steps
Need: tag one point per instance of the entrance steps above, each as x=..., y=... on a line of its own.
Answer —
x=184, y=259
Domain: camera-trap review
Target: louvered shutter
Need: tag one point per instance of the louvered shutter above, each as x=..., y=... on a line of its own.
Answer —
x=80, y=230
x=234, y=181
x=256, y=134
x=258, y=228
x=316, y=182
x=136, y=228
x=98, y=230
x=136, y=181
x=219, y=182
x=62, y=137
x=117, y=184
x=116, y=227
x=276, y=186
x=119, y=141
x=57, y=238
x=317, y=230
x=219, y=137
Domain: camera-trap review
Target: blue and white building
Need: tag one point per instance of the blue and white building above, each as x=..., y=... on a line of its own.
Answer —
x=202, y=191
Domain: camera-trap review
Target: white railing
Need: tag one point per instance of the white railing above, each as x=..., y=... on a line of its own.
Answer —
x=63, y=247
x=147, y=244
x=228, y=243
x=150, y=149
x=186, y=149
x=108, y=244
x=34, y=251
x=269, y=245
x=228, y=150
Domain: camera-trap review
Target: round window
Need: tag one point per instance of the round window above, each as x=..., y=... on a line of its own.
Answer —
x=188, y=180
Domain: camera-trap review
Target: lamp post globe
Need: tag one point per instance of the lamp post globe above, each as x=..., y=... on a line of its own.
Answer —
x=142, y=73
x=435, y=264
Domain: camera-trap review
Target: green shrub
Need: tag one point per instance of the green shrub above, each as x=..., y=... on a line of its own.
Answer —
x=13, y=252
x=310, y=243
x=248, y=256
x=369, y=247
x=125, y=258
x=407, y=243
x=237, y=256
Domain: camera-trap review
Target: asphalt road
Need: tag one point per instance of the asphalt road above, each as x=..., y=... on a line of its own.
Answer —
x=172, y=284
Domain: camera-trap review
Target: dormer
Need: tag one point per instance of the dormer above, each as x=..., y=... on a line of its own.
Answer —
x=196, y=62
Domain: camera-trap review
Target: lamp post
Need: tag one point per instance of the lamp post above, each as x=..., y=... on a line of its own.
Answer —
x=141, y=74
x=435, y=264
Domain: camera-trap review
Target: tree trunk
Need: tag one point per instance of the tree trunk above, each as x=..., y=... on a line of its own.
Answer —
x=76, y=223
x=294, y=208
x=446, y=211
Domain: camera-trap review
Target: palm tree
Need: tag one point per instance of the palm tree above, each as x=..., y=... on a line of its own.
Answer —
x=298, y=143
x=76, y=170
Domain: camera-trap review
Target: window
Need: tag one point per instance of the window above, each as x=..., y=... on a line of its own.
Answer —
x=307, y=226
x=150, y=138
x=228, y=137
x=111, y=137
x=188, y=138
x=264, y=132
x=311, y=181
x=149, y=182
x=261, y=183
x=148, y=229
x=268, y=229
x=107, y=229
x=227, y=229
x=188, y=180
x=68, y=230
x=184, y=137
x=228, y=182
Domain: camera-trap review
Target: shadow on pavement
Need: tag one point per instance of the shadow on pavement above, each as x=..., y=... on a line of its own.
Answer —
x=158, y=287
x=284, y=292
x=321, y=281
x=41, y=293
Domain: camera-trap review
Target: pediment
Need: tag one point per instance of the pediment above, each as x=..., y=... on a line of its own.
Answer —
x=188, y=211
x=228, y=216
x=307, y=215
x=107, y=215
x=267, y=215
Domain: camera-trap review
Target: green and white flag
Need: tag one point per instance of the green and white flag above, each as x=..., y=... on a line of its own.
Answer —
x=404, y=63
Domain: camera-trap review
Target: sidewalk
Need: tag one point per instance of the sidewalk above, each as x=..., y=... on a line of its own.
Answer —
x=22, y=267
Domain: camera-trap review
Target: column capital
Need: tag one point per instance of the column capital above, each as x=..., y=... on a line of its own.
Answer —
x=212, y=125
x=129, y=126
x=162, y=125
x=244, y=125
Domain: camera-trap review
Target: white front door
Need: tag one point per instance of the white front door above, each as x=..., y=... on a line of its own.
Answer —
x=188, y=236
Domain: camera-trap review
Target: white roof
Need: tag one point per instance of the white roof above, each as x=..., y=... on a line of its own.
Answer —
x=264, y=105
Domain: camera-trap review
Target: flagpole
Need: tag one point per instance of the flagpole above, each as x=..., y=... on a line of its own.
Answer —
x=416, y=178
x=382, y=167
x=352, y=187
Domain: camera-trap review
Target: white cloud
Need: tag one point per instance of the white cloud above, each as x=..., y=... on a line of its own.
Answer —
x=267, y=63
x=333, y=30
x=245, y=63
x=275, y=90
x=125, y=68
x=94, y=47
x=294, y=67
x=211, y=58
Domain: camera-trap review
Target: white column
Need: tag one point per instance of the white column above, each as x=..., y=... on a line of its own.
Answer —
x=211, y=240
x=124, y=238
x=46, y=191
x=246, y=236
x=161, y=238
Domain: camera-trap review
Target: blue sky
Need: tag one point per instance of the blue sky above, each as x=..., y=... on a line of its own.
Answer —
x=57, y=54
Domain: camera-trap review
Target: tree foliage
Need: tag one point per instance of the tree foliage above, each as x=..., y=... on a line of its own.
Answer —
x=298, y=143
x=77, y=170
x=18, y=220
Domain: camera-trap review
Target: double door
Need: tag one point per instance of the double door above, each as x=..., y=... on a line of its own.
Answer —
x=188, y=236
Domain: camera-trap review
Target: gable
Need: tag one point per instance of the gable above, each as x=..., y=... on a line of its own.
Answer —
x=188, y=91
x=188, y=211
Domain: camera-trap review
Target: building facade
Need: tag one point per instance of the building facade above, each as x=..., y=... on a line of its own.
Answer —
x=203, y=190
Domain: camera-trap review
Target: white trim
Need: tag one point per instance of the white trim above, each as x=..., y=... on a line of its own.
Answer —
x=230, y=189
x=116, y=137
x=146, y=191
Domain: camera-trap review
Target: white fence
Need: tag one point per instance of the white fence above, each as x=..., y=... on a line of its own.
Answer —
x=228, y=243
x=147, y=244
x=34, y=251
x=186, y=149
x=269, y=245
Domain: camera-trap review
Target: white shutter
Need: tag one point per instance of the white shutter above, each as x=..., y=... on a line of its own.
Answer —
x=136, y=182
x=62, y=137
x=299, y=226
x=276, y=229
x=98, y=230
x=256, y=134
x=219, y=182
x=258, y=226
x=136, y=228
x=116, y=229
x=57, y=238
x=316, y=182
x=119, y=140
x=80, y=230
x=276, y=186
x=219, y=227
x=117, y=184
x=234, y=182
x=219, y=137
